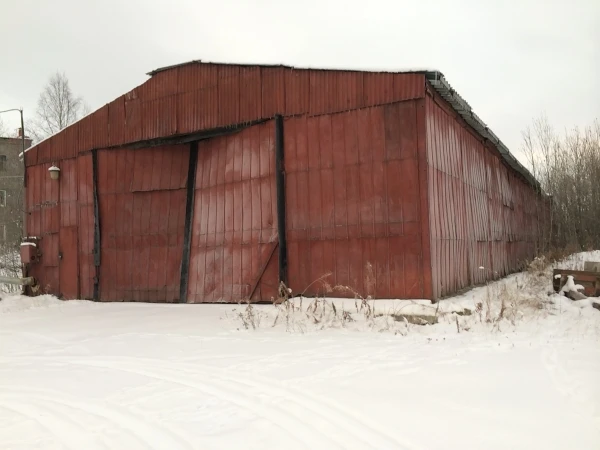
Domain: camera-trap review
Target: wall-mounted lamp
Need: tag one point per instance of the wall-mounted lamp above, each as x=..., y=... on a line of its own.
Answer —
x=54, y=172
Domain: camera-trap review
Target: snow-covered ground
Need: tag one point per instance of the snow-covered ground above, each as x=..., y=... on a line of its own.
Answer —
x=81, y=375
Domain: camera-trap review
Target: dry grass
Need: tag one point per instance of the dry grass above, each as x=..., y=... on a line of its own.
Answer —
x=505, y=302
x=299, y=313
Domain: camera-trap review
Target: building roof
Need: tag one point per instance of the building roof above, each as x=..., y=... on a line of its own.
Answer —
x=435, y=78
x=439, y=83
x=397, y=69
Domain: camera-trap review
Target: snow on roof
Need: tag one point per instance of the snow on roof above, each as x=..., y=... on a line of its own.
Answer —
x=391, y=69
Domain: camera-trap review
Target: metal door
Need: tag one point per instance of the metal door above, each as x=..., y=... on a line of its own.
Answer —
x=68, y=263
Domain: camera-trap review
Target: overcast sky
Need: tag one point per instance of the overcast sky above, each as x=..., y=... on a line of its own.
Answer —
x=511, y=60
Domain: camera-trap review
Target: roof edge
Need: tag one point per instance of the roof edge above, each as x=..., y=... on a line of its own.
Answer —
x=286, y=66
x=460, y=105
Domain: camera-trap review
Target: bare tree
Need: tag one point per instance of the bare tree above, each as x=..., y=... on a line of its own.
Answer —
x=568, y=169
x=58, y=107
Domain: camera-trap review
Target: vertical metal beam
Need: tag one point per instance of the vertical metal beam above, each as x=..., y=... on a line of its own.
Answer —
x=97, y=241
x=280, y=188
x=189, y=216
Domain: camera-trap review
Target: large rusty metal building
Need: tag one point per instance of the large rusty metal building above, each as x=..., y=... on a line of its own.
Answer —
x=214, y=182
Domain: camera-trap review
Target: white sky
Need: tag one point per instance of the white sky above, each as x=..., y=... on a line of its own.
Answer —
x=511, y=60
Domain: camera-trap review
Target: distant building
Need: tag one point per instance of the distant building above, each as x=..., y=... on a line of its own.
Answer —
x=11, y=189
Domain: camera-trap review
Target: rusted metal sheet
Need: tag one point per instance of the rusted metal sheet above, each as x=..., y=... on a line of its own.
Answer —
x=273, y=99
x=194, y=77
x=68, y=193
x=381, y=88
x=424, y=198
x=378, y=87
x=197, y=100
x=116, y=123
x=43, y=220
x=408, y=86
x=156, y=168
x=94, y=130
x=133, y=117
x=162, y=84
x=322, y=92
x=198, y=110
x=250, y=99
x=159, y=117
x=61, y=145
x=142, y=208
x=85, y=202
x=479, y=227
x=200, y=97
x=353, y=202
x=69, y=146
x=234, y=223
x=297, y=92
x=69, y=263
x=229, y=95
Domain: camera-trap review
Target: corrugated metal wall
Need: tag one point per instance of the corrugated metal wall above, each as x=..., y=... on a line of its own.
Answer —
x=142, y=209
x=85, y=202
x=352, y=187
x=197, y=97
x=376, y=172
x=481, y=213
x=234, y=231
x=43, y=219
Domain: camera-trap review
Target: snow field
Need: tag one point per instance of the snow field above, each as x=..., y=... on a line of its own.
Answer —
x=519, y=372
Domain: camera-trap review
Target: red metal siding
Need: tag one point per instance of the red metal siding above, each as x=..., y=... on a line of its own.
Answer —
x=133, y=117
x=142, y=209
x=273, y=91
x=229, y=95
x=250, y=97
x=94, y=130
x=69, y=264
x=116, y=122
x=353, y=199
x=475, y=220
x=234, y=228
x=159, y=117
x=85, y=202
x=199, y=97
x=68, y=193
x=46, y=213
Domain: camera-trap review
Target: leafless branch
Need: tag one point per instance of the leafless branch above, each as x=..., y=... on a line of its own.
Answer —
x=58, y=107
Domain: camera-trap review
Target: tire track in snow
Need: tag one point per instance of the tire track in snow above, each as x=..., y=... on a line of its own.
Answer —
x=359, y=428
x=351, y=421
x=307, y=435
x=54, y=427
x=355, y=426
x=148, y=434
x=290, y=425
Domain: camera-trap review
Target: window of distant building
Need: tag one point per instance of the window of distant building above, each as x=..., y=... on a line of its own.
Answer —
x=2, y=163
x=2, y=198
